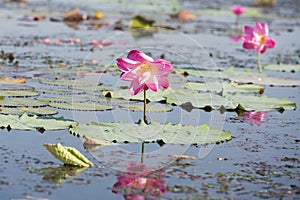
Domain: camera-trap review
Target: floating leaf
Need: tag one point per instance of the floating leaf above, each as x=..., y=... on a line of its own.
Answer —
x=262, y=103
x=15, y=87
x=124, y=94
x=266, y=80
x=199, y=100
x=18, y=93
x=68, y=155
x=224, y=74
x=26, y=122
x=150, y=108
x=22, y=102
x=283, y=67
x=86, y=106
x=140, y=22
x=71, y=83
x=16, y=80
x=168, y=133
x=224, y=87
x=28, y=110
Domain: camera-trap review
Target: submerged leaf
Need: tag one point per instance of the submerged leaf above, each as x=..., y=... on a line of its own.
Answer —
x=168, y=133
x=68, y=155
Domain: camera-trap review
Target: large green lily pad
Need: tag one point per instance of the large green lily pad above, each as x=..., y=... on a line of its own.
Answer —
x=84, y=106
x=168, y=133
x=28, y=110
x=18, y=93
x=283, y=67
x=22, y=102
x=150, y=107
x=266, y=80
x=199, y=100
x=224, y=87
x=262, y=103
x=26, y=122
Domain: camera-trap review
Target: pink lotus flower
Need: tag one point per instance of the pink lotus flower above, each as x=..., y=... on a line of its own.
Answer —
x=254, y=117
x=257, y=38
x=140, y=183
x=238, y=9
x=144, y=72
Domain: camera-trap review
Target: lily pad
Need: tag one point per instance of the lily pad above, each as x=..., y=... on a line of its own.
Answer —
x=266, y=80
x=168, y=133
x=26, y=122
x=222, y=74
x=18, y=93
x=262, y=103
x=224, y=87
x=83, y=106
x=28, y=110
x=200, y=100
x=15, y=87
x=70, y=83
x=283, y=67
x=124, y=94
x=150, y=108
x=68, y=155
x=22, y=102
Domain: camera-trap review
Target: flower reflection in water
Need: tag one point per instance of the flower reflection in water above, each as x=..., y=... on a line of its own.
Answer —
x=254, y=117
x=140, y=183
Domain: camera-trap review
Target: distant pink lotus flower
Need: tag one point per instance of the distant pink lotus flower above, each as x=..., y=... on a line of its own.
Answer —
x=140, y=183
x=257, y=38
x=254, y=117
x=144, y=72
x=238, y=9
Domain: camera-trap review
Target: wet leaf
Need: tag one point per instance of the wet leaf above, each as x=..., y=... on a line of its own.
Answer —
x=266, y=80
x=283, y=67
x=68, y=155
x=26, y=122
x=140, y=22
x=150, y=108
x=28, y=110
x=86, y=106
x=186, y=15
x=169, y=133
x=16, y=80
x=223, y=87
x=262, y=103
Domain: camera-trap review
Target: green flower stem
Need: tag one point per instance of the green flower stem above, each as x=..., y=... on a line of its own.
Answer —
x=145, y=108
x=258, y=62
x=143, y=150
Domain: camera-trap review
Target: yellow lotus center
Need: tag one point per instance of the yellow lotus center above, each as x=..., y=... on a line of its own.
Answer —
x=145, y=67
x=263, y=39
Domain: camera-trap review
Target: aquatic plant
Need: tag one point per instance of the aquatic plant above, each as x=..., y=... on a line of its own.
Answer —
x=257, y=38
x=144, y=73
